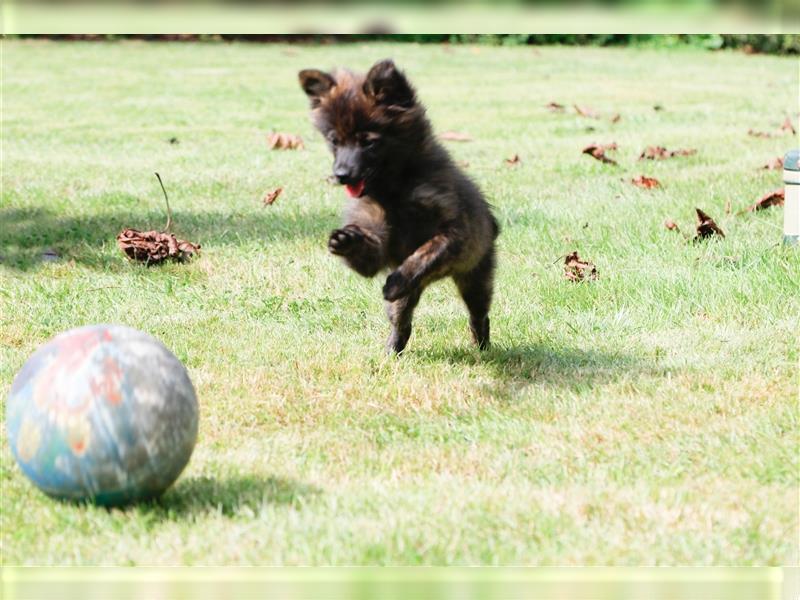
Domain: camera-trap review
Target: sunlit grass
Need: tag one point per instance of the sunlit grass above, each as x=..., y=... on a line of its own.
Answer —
x=648, y=417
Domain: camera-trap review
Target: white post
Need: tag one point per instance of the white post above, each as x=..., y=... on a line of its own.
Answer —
x=791, y=202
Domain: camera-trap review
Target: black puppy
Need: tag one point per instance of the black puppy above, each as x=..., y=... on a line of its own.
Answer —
x=412, y=210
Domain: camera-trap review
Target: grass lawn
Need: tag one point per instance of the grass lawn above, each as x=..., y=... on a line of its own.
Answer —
x=647, y=417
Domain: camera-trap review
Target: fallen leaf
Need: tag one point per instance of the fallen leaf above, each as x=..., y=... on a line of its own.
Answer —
x=513, y=160
x=774, y=198
x=706, y=226
x=616, y=118
x=654, y=153
x=661, y=153
x=760, y=134
x=671, y=225
x=789, y=126
x=645, y=182
x=554, y=106
x=576, y=269
x=598, y=151
x=174, y=140
x=153, y=247
x=774, y=164
x=270, y=197
x=727, y=207
x=585, y=111
x=657, y=107
x=284, y=141
x=455, y=136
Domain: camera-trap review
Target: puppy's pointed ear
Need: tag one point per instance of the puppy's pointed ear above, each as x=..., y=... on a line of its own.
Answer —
x=315, y=84
x=388, y=85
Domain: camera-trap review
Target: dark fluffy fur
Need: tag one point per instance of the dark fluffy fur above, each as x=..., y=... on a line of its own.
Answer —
x=416, y=212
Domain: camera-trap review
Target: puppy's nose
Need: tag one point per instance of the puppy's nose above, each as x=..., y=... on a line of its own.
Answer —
x=343, y=176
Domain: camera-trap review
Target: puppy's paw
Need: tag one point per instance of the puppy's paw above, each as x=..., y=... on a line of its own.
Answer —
x=397, y=286
x=343, y=242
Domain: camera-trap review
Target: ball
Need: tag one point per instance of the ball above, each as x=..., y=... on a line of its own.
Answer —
x=104, y=414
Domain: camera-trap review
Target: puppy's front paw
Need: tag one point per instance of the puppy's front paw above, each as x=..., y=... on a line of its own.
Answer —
x=397, y=286
x=342, y=242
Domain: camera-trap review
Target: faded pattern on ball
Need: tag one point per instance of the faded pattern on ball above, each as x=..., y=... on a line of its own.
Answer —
x=103, y=413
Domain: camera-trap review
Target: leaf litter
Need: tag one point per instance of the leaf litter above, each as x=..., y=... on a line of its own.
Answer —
x=154, y=247
x=576, y=269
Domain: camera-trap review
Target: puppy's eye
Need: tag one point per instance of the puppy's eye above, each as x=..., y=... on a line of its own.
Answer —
x=369, y=139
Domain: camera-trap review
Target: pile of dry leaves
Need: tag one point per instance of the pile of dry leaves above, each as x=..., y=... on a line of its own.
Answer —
x=154, y=247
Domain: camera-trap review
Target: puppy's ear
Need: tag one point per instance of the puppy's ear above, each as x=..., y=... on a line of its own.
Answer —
x=315, y=84
x=388, y=85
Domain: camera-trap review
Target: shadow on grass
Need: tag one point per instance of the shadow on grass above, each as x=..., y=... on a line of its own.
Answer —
x=27, y=233
x=514, y=367
x=227, y=496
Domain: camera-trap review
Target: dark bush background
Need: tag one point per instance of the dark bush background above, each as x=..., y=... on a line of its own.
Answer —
x=751, y=43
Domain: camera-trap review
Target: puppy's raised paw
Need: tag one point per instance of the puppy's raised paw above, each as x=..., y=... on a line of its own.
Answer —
x=343, y=242
x=397, y=286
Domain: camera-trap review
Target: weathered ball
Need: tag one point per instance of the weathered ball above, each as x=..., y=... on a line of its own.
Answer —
x=102, y=413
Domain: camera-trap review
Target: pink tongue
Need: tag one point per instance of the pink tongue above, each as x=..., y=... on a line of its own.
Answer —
x=354, y=191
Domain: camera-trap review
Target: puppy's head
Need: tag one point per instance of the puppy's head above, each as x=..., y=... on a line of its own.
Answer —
x=371, y=122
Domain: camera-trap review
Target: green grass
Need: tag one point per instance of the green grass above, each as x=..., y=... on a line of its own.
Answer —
x=649, y=417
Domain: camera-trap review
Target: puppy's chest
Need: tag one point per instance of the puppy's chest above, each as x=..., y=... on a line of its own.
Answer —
x=409, y=228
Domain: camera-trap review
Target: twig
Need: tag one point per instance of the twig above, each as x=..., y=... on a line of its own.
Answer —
x=169, y=212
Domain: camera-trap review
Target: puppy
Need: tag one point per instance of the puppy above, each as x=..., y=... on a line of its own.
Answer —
x=411, y=209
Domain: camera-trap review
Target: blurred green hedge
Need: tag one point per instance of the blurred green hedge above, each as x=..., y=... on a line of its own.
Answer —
x=751, y=43
x=771, y=44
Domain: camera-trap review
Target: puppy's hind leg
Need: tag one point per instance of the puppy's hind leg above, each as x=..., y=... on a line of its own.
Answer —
x=400, y=313
x=476, y=289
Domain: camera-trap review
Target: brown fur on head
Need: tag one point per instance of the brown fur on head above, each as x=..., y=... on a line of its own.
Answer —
x=366, y=119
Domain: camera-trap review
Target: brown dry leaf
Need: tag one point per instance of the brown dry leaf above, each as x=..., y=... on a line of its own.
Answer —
x=774, y=164
x=661, y=153
x=153, y=247
x=774, y=198
x=554, y=107
x=455, y=136
x=760, y=134
x=513, y=160
x=598, y=151
x=270, y=197
x=654, y=153
x=706, y=227
x=576, y=269
x=789, y=126
x=671, y=225
x=285, y=141
x=616, y=118
x=585, y=111
x=727, y=207
x=645, y=182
